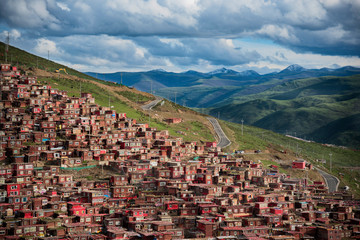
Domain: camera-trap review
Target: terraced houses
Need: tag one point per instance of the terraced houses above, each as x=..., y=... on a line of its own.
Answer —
x=161, y=186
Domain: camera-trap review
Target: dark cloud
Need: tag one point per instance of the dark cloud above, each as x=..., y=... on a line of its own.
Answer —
x=215, y=51
x=188, y=31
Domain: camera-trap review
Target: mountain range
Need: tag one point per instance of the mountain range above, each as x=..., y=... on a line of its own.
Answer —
x=318, y=104
x=216, y=88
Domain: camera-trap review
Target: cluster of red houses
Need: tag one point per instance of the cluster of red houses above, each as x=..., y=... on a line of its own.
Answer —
x=164, y=189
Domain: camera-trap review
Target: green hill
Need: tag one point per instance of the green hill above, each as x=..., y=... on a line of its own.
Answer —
x=325, y=109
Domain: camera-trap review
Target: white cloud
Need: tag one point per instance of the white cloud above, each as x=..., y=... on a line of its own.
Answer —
x=63, y=6
x=27, y=14
x=45, y=46
x=276, y=57
x=13, y=34
x=278, y=33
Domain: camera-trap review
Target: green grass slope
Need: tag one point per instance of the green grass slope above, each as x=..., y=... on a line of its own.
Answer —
x=325, y=109
x=123, y=99
x=345, y=162
x=22, y=58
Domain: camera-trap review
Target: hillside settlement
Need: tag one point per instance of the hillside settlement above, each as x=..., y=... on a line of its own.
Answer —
x=160, y=187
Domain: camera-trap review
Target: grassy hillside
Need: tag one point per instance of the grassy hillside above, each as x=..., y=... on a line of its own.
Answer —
x=325, y=109
x=122, y=98
x=23, y=59
x=280, y=150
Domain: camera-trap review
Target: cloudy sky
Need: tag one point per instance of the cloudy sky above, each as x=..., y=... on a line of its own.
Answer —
x=203, y=35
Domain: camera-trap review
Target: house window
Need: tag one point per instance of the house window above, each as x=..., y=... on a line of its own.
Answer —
x=14, y=187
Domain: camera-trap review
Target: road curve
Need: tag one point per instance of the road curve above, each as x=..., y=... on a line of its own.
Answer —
x=332, y=182
x=223, y=139
x=152, y=104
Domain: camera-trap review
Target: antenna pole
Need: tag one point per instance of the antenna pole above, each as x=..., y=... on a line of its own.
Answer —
x=242, y=126
x=7, y=46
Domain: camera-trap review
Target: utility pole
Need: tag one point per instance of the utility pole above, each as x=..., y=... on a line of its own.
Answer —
x=330, y=154
x=7, y=46
x=242, y=127
x=80, y=85
x=175, y=97
x=109, y=100
x=48, y=55
x=297, y=149
x=121, y=79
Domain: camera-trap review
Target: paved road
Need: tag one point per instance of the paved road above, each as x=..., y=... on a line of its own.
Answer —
x=152, y=104
x=223, y=139
x=331, y=181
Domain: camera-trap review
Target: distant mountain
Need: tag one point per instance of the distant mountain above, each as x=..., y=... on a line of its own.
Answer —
x=325, y=109
x=306, y=102
x=216, y=88
x=157, y=70
x=248, y=73
x=293, y=69
x=222, y=71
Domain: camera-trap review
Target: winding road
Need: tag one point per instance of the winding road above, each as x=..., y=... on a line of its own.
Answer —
x=332, y=182
x=152, y=104
x=223, y=139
